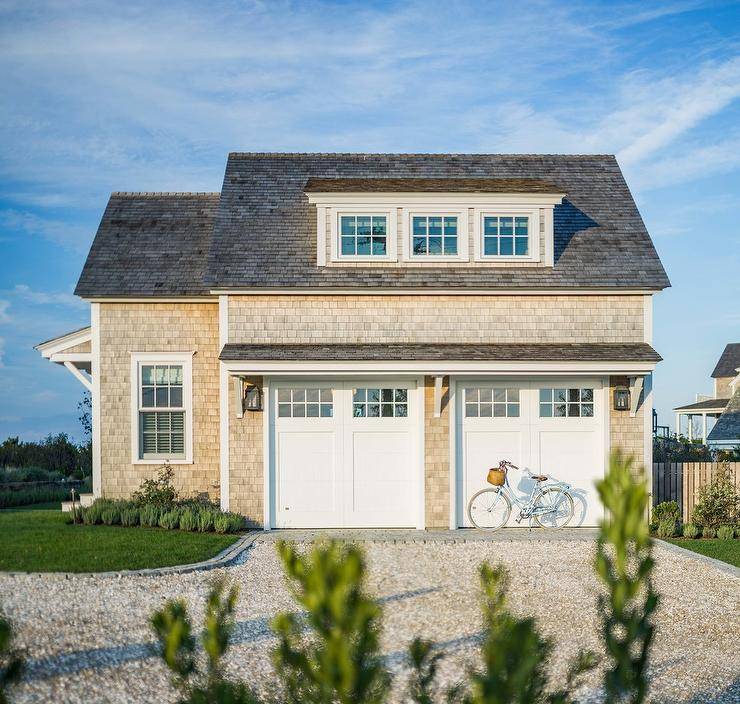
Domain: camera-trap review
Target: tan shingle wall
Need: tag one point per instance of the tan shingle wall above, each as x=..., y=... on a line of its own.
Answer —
x=436, y=457
x=474, y=319
x=158, y=327
x=723, y=387
x=82, y=348
x=246, y=460
x=626, y=432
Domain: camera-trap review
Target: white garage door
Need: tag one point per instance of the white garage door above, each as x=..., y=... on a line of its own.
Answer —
x=552, y=426
x=345, y=454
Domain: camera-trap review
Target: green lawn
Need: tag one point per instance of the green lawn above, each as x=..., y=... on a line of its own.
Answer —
x=725, y=550
x=38, y=540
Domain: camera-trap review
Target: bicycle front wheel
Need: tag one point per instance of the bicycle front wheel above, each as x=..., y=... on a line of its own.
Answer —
x=553, y=508
x=489, y=509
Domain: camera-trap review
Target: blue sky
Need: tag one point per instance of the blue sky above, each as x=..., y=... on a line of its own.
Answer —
x=152, y=96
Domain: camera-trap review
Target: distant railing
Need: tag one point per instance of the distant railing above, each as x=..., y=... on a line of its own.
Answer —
x=681, y=481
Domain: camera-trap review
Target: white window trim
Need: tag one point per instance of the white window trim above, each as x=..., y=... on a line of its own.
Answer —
x=391, y=236
x=186, y=360
x=441, y=210
x=514, y=211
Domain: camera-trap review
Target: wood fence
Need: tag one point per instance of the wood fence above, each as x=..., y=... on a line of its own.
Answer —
x=681, y=481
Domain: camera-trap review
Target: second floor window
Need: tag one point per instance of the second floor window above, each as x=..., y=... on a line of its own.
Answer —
x=505, y=236
x=434, y=235
x=364, y=235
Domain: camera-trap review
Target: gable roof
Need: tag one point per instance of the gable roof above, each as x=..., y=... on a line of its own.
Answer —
x=727, y=427
x=265, y=231
x=729, y=362
x=260, y=231
x=150, y=244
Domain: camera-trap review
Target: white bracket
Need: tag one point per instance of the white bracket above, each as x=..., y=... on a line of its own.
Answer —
x=437, y=396
x=238, y=397
x=87, y=383
x=636, y=385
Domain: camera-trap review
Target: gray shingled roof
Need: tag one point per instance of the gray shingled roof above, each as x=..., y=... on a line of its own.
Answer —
x=261, y=231
x=265, y=231
x=728, y=362
x=727, y=427
x=704, y=405
x=430, y=185
x=639, y=352
x=150, y=244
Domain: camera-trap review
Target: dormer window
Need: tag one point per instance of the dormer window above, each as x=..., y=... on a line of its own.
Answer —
x=434, y=234
x=364, y=235
x=507, y=235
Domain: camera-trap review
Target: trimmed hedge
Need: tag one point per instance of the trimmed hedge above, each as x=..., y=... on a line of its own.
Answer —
x=191, y=516
x=38, y=495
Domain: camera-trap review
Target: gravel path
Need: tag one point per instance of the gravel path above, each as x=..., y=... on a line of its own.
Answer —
x=88, y=639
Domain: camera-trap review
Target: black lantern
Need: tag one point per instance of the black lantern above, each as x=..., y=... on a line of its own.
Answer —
x=621, y=398
x=253, y=399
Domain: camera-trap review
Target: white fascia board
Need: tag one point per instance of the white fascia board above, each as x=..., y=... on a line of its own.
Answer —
x=464, y=199
x=64, y=342
x=152, y=299
x=444, y=368
x=314, y=291
x=62, y=357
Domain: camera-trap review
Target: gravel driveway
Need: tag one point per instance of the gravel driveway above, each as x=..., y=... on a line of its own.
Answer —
x=88, y=638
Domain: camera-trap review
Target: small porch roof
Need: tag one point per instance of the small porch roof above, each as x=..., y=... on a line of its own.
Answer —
x=716, y=405
x=65, y=350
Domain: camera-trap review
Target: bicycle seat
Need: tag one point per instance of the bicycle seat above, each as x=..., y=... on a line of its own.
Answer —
x=538, y=477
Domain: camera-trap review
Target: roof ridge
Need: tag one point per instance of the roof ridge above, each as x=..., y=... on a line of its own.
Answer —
x=397, y=154
x=159, y=194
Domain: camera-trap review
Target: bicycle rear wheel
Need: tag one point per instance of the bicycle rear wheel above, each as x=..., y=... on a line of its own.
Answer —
x=489, y=509
x=553, y=508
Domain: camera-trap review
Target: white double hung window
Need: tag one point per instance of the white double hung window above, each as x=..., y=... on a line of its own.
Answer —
x=161, y=403
x=507, y=235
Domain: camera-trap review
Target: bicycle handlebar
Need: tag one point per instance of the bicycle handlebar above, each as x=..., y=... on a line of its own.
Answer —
x=505, y=463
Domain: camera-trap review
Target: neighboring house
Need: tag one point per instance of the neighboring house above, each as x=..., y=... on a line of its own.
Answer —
x=405, y=321
x=724, y=406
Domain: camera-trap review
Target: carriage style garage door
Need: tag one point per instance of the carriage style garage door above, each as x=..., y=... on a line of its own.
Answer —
x=345, y=454
x=551, y=426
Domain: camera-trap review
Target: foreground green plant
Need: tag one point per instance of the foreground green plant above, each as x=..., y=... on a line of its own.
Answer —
x=690, y=530
x=178, y=649
x=624, y=564
x=725, y=532
x=341, y=662
x=11, y=661
x=719, y=501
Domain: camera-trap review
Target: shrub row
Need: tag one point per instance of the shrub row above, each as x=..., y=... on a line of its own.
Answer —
x=38, y=495
x=194, y=517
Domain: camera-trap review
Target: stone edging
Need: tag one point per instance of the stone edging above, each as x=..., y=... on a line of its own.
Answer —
x=717, y=564
x=223, y=559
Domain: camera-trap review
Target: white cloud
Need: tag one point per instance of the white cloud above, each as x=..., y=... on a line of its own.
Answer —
x=4, y=315
x=67, y=234
x=59, y=298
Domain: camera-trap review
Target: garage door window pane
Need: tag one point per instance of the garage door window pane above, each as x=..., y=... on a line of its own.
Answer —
x=379, y=403
x=301, y=402
x=488, y=402
x=566, y=403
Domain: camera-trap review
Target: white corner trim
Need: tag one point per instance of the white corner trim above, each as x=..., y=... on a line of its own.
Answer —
x=453, y=468
x=95, y=399
x=267, y=454
x=440, y=209
x=236, y=382
x=70, y=366
x=647, y=319
x=534, y=233
x=321, y=212
x=186, y=360
x=421, y=449
x=223, y=320
x=647, y=424
x=549, y=226
x=224, y=435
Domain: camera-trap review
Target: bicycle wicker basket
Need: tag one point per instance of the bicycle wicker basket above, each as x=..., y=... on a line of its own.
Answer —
x=496, y=476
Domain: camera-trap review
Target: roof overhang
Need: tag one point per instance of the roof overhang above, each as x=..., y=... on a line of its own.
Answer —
x=400, y=198
x=628, y=360
x=59, y=351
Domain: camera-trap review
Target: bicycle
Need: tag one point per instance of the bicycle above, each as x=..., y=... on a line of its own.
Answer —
x=551, y=505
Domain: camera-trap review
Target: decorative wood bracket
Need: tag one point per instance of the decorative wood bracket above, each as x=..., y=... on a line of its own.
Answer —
x=636, y=386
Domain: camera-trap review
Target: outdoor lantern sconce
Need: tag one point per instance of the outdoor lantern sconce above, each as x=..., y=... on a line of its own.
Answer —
x=621, y=399
x=253, y=399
